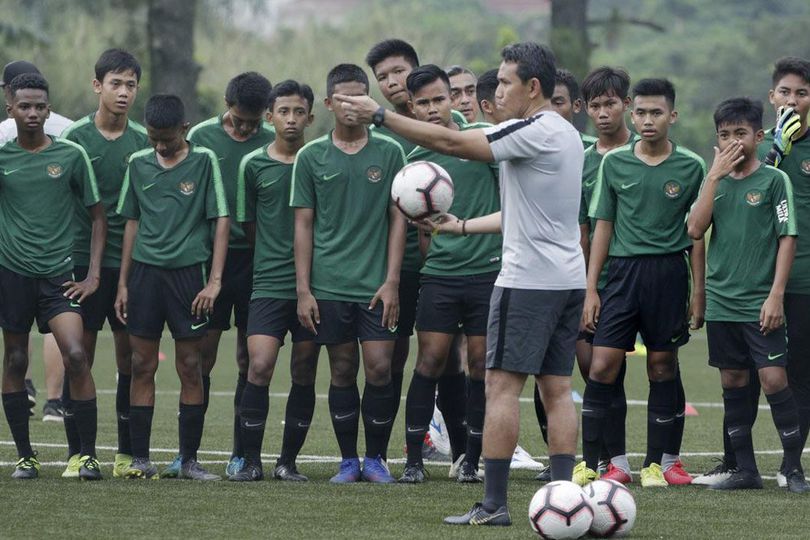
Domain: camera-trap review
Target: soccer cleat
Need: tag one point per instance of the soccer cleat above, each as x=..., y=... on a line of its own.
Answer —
x=375, y=471
x=250, y=472
x=27, y=468
x=90, y=469
x=616, y=474
x=288, y=473
x=677, y=476
x=430, y=452
x=583, y=475
x=739, y=479
x=719, y=473
x=795, y=481
x=413, y=474
x=141, y=469
x=468, y=474
x=521, y=459
x=173, y=470
x=602, y=467
x=235, y=464
x=349, y=472
x=544, y=475
x=73, y=466
x=192, y=470
x=653, y=476
x=121, y=464
x=52, y=411
x=479, y=516
x=455, y=466
x=781, y=480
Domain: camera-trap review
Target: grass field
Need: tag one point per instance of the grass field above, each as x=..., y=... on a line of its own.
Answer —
x=173, y=509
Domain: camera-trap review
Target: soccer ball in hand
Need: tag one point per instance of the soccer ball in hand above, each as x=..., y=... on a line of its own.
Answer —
x=560, y=510
x=614, y=509
x=422, y=189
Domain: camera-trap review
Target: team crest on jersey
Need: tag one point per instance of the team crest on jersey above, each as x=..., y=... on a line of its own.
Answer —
x=673, y=189
x=374, y=174
x=55, y=170
x=187, y=188
x=806, y=167
x=754, y=197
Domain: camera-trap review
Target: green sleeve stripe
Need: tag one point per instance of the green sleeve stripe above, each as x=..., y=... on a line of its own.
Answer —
x=219, y=188
x=74, y=126
x=241, y=188
x=413, y=154
x=141, y=153
x=320, y=139
x=476, y=125
x=792, y=228
x=132, y=124
x=204, y=123
x=458, y=117
x=600, y=181
x=90, y=172
x=688, y=153
x=392, y=141
x=267, y=126
x=124, y=191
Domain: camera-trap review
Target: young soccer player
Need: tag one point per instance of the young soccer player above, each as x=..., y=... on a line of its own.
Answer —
x=641, y=198
x=457, y=280
x=263, y=208
x=567, y=101
x=485, y=94
x=349, y=240
x=748, y=204
x=109, y=137
x=170, y=194
x=42, y=179
x=462, y=92
x=232, y=135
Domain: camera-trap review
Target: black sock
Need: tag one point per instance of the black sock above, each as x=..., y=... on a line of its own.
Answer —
x=344, y=408
x=238, y=451
x=74, y=442
x=614, y=435
x=190, y=425
x=476, y=405
x=673, y=446
x=377, y=408
x=140, y=429
x=86, y=414
x=452, y=402
x=206, y=381
x=737, y=423
x=496, y=481
x=16, y=407
x=661, y=411
x=396, y=389
x=786, y=418
x=254, y=407
x=297, y=419
x=418, y=412
x=595, y=407
x=562, y=466
x=540, y=412
x=122, y=413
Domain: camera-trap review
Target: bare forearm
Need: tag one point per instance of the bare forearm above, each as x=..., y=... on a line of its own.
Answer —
x=220, y=249
x=600, y=243
x=697, y=263
x=397, y=228
x=303, y=249
x=98, y=239
x=784, y=262
x=700, y=217
x=130, y=230
x=584, y=241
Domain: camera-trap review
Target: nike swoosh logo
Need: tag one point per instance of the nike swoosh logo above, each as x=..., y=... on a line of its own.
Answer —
x=222, y=159
x=486, y=519
x=267, y=184
x=7, y=172
x=92, y=159
x=720, y=196
x=663, y=420
x=376, y=423
x=628, y=186
x=75, y=304
x=330, y=176
x=303, y=426
x=414, y=430
x=198, y=325
x=733, y=431
x=789, y=433
x=123, y=418
x=587, y=410
x=249, y=425
x=343, y=416
x=775, y=356
x=148, y=186
x=476, y=433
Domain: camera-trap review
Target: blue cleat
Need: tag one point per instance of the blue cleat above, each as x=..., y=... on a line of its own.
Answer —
x=235, y=465
x=349, y=472
x=375, y=470
x=173, y=470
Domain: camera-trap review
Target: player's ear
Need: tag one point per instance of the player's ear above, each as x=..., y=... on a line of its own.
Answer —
x=626, y=102
x=184, y=128
x=759, y=135
x=770, y=97
x=673, y=117
x=268, y=115
x=96, y=86
x=410, y=105
x=535, y=89
x=310, y=118
x=577, y=105
x=328, y=104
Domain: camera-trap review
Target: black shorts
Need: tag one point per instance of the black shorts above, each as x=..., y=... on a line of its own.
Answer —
x=344, y=322
x=101, y=304
x=237, y=286
x=160, y=296
x=452, y=304
x=24, y=299
x=534, y=331
x=275, y=317
x=408, y=296
x=740, y=345
x=647, y=295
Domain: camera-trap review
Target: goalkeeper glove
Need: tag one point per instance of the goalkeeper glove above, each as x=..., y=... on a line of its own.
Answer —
x=788, y=123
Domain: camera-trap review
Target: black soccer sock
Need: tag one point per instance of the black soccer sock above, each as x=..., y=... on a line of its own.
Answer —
x=254, y=407
x=74, y=442
x=673, y=446
x=140, y=429
x=297, y=419
x=344, y=408
x=476, y=405
x=396, y=389
x=661, y=410
x=540, y=412
x=206, y=381
x=122, y=413
x=496, y=482
x=190, y=424
x=452, y=402
x=737, y=423
x=238, y=451
x=786, y=419
x=595, y=407
x=16, y=407
x=378, y=410
x=614, y=436
x=562, y=466
x=418, y=412
x=86, y=414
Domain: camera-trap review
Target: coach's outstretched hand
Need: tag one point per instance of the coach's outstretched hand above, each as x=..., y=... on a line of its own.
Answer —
x=79, y=290
x=443, y=224
x=363, y=107
x=388, y=294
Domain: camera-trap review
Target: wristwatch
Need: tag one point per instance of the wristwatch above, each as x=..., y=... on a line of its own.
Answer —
x=378, y=117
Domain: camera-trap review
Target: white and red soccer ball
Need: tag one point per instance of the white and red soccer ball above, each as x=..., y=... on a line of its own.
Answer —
x=422, y=189
x=560, y=510
x=614, y=509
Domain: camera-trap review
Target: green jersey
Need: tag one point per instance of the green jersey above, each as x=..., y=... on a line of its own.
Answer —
x=211, y=134
x=109, y=159
x=647, y=204
x=797, y=166
x=351, y=195
x=263, y=197
x=749, y=216
x=587, y=140
x=37, y=193
x=475, y=186
x=173, y=206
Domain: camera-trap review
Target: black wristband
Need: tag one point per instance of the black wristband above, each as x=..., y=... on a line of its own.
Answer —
x=378, y=117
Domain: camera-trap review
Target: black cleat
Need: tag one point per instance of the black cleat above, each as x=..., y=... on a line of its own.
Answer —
x=141, y=469
x=413, y=474
x=468, y=474
x=544, y=475
x=288, y=472
x=478, y=516
x=27, y=468
x=90, y=469
x=740, y=479
x=250, y=472
x=192, y=470
x=796, y=482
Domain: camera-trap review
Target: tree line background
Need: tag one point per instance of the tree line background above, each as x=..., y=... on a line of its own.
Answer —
x=193, y=47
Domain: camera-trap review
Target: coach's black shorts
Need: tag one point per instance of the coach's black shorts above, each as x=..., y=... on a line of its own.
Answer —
x=450, y=304
x=408, y=297
x=344, y=322
x=740, y=345
x=101, y=304
x=25, y=298
x=159, y=296
x=275, y=317
x=533, y=331
x=237, y=285
x=648, y=295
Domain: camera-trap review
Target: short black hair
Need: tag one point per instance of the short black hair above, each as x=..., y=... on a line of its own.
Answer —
x=791, y=65
x=425, y=75
x=28, y=81
x=655, y=87
x=164, y=111
x=291, y=88
x=486, y=86
x=116, y=61
x=563, y=76
x=249, y=91
x=739, y=110
x=343, y=73
x=605, y=80
x=391, y=47
x=534, y=61
x=452, y=71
